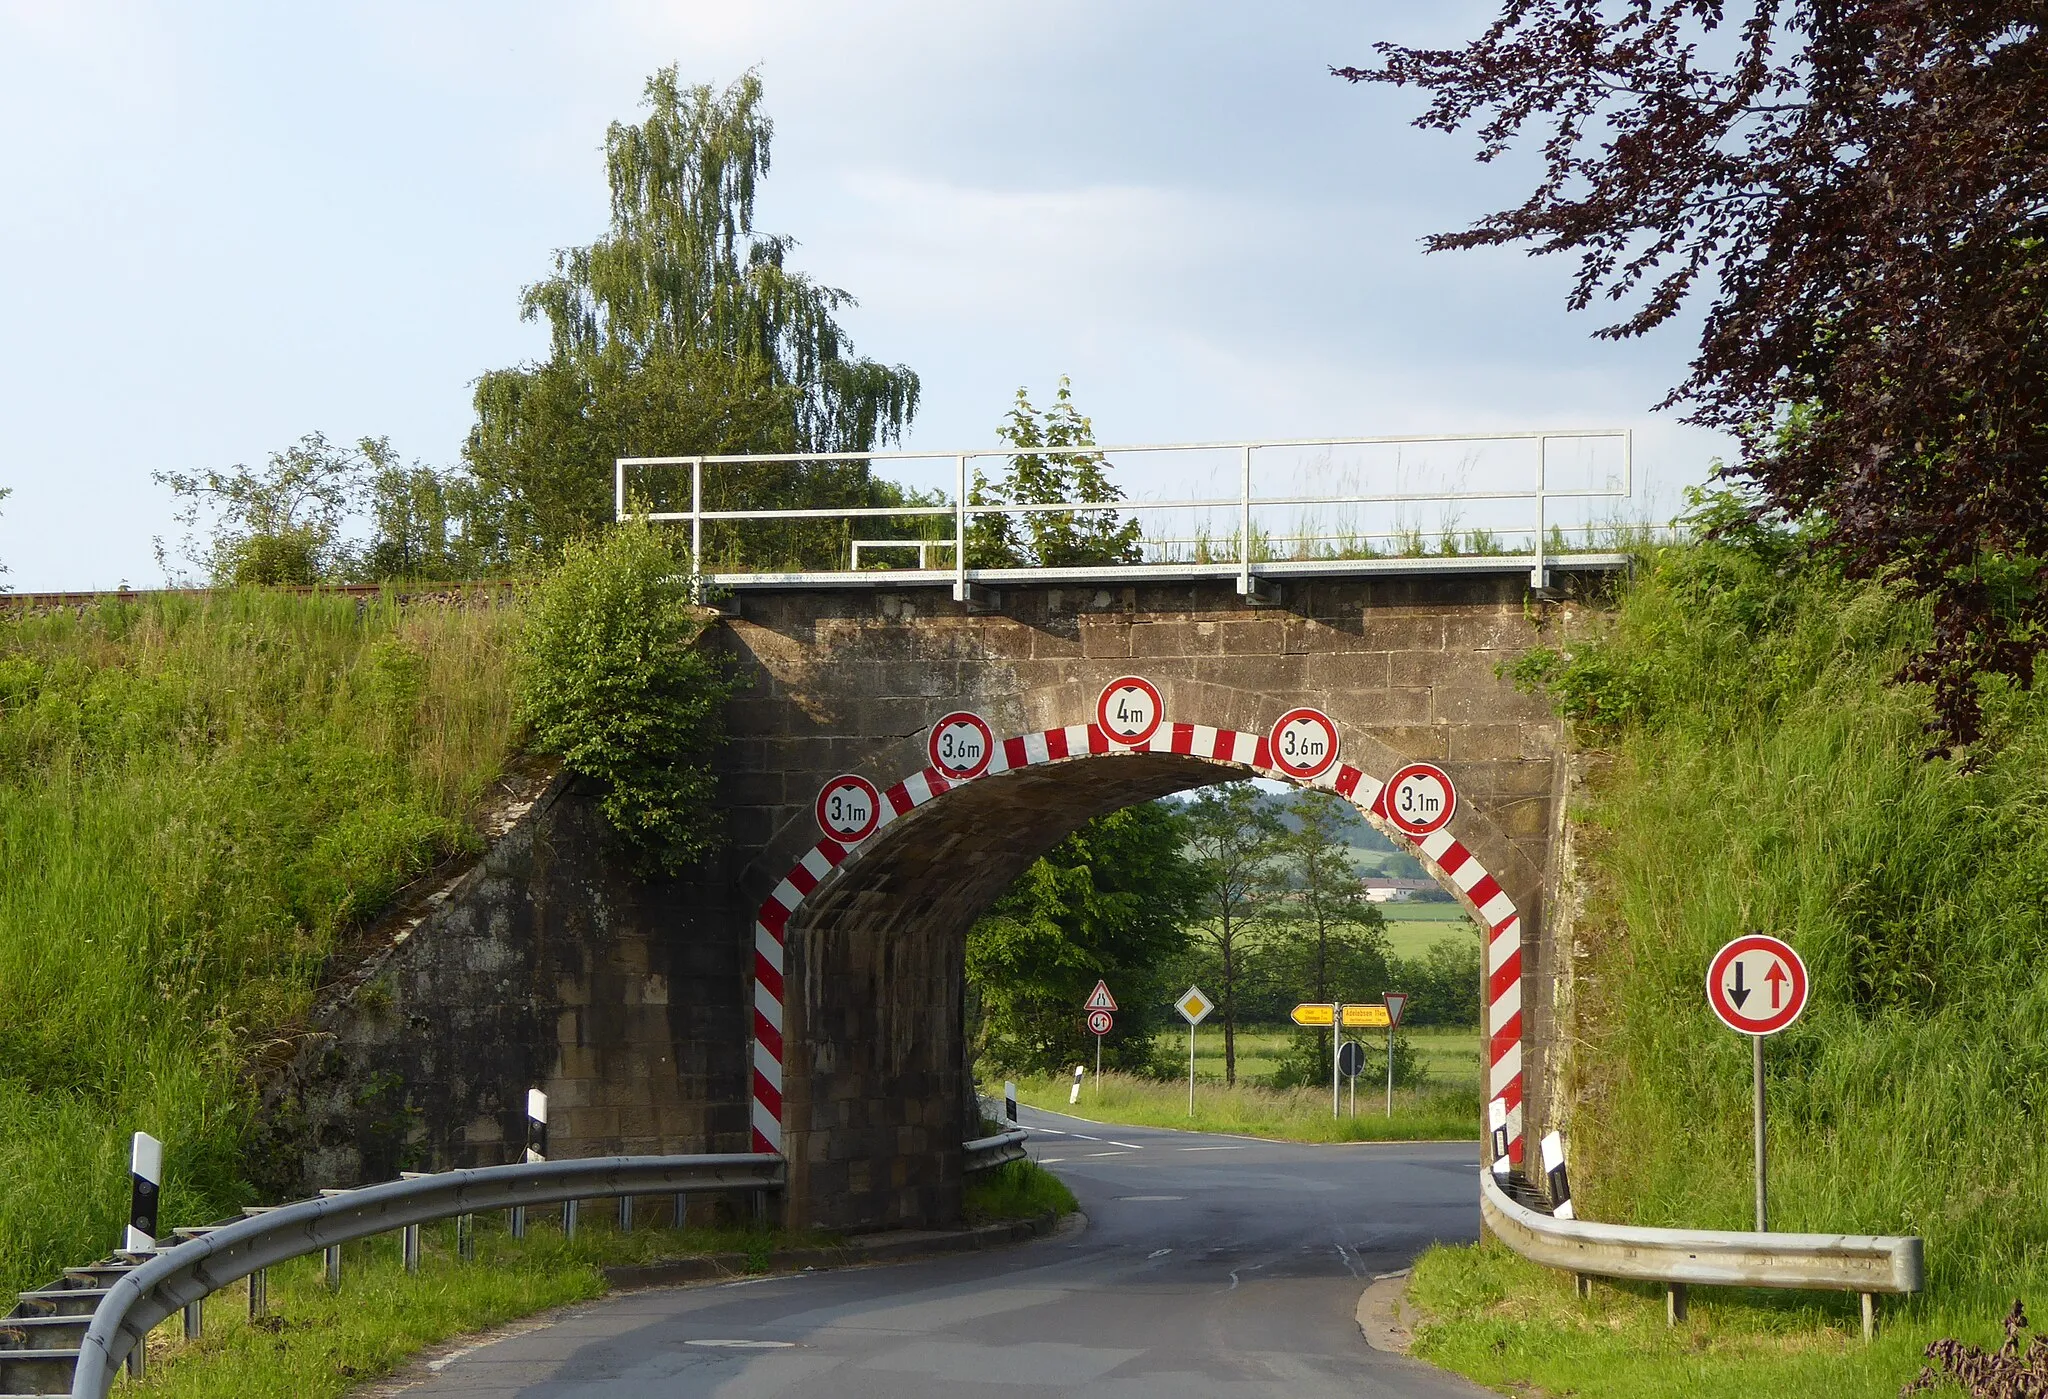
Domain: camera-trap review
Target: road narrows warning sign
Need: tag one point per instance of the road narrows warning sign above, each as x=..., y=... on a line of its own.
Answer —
x=1099, y=998
x=1757, y=985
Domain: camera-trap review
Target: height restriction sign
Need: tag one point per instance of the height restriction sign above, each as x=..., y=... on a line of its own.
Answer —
x=1757, y=985
x=1128, y=710
x=1420, y=799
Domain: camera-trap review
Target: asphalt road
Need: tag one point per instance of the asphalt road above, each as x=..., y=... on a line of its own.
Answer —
x=1210, y=1266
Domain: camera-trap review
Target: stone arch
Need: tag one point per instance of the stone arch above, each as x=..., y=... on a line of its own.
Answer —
x=937, y=857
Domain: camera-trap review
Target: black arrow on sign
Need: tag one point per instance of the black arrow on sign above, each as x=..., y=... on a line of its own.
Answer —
x=1738, y=993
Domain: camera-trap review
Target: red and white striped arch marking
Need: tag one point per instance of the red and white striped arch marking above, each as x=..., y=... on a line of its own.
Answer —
x=1079, y=741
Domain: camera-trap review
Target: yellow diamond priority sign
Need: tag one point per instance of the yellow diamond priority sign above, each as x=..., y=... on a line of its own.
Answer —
x=1194, y=1007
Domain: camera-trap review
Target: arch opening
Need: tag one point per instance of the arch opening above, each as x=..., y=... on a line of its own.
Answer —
x=860, y=1075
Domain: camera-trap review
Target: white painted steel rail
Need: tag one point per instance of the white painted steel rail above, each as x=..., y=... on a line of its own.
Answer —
x=1869, y=1264
x=988, y=1152
x=172, y=1278
x=1245, y=503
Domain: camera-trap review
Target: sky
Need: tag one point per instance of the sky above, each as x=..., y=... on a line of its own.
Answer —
x=225, y=226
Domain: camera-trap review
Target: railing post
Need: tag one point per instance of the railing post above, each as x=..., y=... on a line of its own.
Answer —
x=697, y=528
x=195, y=1319
x=409, y=1247
x=960, y=528
x=519, y=1221
x=465, y=1237
x=334, y=1267
x=569, y=1214
x=1539, y=576
x=1244, y=526
x=259, y=1293
x=618, y=489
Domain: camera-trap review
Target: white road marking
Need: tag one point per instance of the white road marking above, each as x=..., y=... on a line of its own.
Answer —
x=1127, y=1146
x=1109, y=1153
x=1157, y=1253
x=1212, y=1148
x=1050, y=1160
x=745, y=1345
x=1142, y=1198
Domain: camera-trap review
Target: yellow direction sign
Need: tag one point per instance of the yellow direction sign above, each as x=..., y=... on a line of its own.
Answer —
x=1355, y=1017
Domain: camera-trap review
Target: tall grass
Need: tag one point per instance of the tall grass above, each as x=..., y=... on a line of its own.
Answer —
x=1288, y=1114
x=1767, y=776
x=198, y=797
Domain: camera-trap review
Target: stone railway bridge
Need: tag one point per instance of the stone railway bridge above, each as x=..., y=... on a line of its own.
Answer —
x=806, y=995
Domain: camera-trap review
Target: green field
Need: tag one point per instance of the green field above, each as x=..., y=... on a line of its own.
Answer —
x=1413, y=928
x=1298, y=1114
x=1450, y=1056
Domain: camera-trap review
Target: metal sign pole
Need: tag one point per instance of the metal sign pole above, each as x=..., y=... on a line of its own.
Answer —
x=1098, y=1068
x=1354, y=1095
x=1390, y=1070
x=1757, y=1067
x=1336, y=1041
x=1191, y=1068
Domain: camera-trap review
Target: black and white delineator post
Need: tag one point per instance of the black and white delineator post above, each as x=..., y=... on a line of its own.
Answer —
x=1075, y=1096
x=1554, y=1172
x=536, y=1147
x=1497, y=1138
x=146, y=1183
x=1010, y=1099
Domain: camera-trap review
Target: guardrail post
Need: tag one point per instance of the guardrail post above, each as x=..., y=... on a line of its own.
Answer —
x=569, y=1213
x=195, y=1319
x=465, y=1237
x=409, y=1247
x=259, y=1293
x=625, y=1214
x=1674, y=1303
x=519, y=1221
x=681, y=1204
x=138, y=1358
x=760, y=1207
x=1582, y=1284
x=1869, y=1317
x=334, y=1267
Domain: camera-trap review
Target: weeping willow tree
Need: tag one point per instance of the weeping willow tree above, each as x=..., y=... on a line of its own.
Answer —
x=684, y=330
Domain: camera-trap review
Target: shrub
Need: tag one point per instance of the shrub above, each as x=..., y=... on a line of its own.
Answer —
x=612, y=682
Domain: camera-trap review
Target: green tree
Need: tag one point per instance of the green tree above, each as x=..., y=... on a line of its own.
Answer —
x=426, y=524
x=612, y=681
x=1232, y=837
x=282, y=523
x=683, y=330
x=1050, y=538
x=1332, y=943
x=1109, y=901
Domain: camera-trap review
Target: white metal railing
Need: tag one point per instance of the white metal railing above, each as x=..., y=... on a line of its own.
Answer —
x=1242, y=553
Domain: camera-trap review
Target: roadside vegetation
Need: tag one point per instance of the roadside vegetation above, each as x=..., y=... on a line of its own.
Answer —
x=1763, y=772
x=1015, y=1190
x=200, y=798
x=1282, y=1114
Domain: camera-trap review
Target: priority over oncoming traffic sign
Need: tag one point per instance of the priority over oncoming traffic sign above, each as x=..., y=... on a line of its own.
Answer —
x=1757, y=985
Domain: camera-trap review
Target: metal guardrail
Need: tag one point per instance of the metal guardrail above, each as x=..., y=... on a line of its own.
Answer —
x=1864, y=1263
x=1241, y=509
x=173, y=1278
x=988, y=1152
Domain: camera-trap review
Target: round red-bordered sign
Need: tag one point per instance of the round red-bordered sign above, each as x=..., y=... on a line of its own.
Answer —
x=1100, y=1022
x=849, y=808
x=1420, y=799
x=1757, y=984
x=960, y=746
x=1129, y=709
x=1303, y=743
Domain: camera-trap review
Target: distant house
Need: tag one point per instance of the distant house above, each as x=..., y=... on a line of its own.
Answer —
x=1380, y=890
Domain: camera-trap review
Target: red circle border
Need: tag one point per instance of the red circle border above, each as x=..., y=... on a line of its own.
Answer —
x=1728, y=1015
x=947, y=721
x=1280, y=764
x=1102, y=716
x=1108, y=1025
x=1450, y=807
x=875, y=806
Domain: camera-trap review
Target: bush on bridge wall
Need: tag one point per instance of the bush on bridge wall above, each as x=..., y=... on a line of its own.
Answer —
x=611, y=681
x=1768, y=775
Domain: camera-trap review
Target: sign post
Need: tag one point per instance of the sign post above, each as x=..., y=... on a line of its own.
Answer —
x=1339, y=1017
x=1757, y=986
x=1100, y=1006
x=1194, y=1007
x=1396, y=1002
x=1351, y=1059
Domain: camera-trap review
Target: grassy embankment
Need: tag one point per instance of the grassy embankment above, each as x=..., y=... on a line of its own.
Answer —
x=1765, y=776
x=199, y=799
